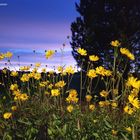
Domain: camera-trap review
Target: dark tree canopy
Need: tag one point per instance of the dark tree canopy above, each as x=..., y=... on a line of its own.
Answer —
x=102, y=21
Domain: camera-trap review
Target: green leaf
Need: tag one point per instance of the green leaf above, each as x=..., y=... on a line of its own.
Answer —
x=95, y=135
x=107, y=123
x=125, y=138
x=7, y=137
x=49, y=132
x=24, y=122
x=65, y=129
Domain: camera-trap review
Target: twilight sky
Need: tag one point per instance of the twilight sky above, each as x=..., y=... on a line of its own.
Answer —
x=27, y=25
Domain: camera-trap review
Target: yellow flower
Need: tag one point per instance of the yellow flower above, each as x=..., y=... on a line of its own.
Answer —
x=25, y=68
x=82, y=52
x=25, y=78
x=17, y=96
x=92, y=107
x=55, y=92
x=115, y=43
x=104, y=93
x=91, y=73
x=126, y=52
x=108, y=73
x=70, y=108
x=134, y=101
x=115, y=91
x=93, y=58
x=69, y=70
x=42, y=84
x=4, y=70
x=128, y=110
x=104, y=103
x=131, y=56
x=134, y=92
x=31, y=75
x=114, y=104
x=14, y=73
x=8, y=55
x=73, y=92
x=7, y=115
x=128, y=129
x=16, y=92
x=114, y=132
x=35, y=70
x=88, y=98
x=60, y=84
x=50, y=86
x=37, y=76
x=134, y=82
x=72, y=98
x=14, y=87
x=1, y=56
x=43, y=70
x=24, y=97
x=49, y=53
x=37, y=64
x=60, y=69
x=14, y=108
x=4, y=97
x=100, y=70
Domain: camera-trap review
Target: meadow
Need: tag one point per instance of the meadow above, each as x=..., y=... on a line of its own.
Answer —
x=96, y=104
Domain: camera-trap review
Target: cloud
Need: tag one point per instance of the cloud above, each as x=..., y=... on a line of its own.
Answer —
x=29, y=32
x=28, y=58
x=24, y=47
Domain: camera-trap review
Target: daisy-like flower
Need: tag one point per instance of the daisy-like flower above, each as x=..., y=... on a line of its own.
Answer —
x=114, y=132
x=37, y=64
x=104, y=93
x=14, y=108
x=128, y=110
x=14, y=87
x=128, y=129
x=7, y=115
x=1, y=56
x=115, y=43
x=72, y=98
x=69, y=70
x=91, y=73
x=49, y=53
x=55, y=92
x=8, y=55
x=82, y=52
x=134, y=82
x=92, y=107
x=14, y=73
x=60, y=84
x=70, y=108
x=88, y=98
x=24, y=97
x=93, y=58
x=126, y=52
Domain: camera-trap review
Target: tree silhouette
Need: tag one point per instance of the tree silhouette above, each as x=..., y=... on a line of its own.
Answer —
x=102, y=21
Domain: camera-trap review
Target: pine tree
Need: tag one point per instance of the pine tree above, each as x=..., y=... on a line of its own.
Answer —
x=102, y=21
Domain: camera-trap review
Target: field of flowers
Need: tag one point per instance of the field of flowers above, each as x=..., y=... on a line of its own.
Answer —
x=41, y=105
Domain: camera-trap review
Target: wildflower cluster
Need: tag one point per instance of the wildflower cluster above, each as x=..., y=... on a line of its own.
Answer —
x=92, y=73
x=133, y=103
x=97, y=103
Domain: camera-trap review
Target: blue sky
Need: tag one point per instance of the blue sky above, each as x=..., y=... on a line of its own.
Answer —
x=27, y=25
